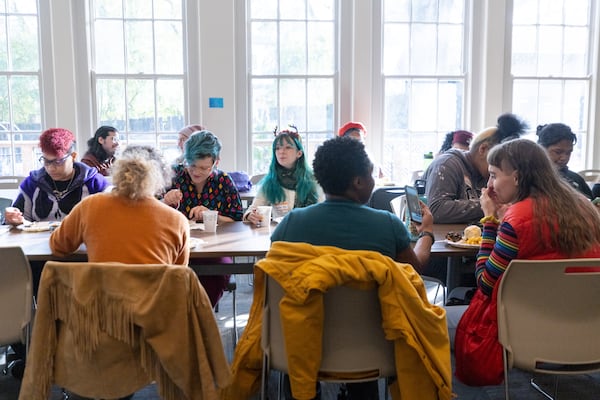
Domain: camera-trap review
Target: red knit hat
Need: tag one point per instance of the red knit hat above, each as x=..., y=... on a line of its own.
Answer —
x=352, y=125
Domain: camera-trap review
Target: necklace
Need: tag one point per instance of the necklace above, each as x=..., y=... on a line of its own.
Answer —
x=59, y=194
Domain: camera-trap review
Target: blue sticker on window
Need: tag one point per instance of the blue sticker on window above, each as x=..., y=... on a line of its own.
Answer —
x=215, y=102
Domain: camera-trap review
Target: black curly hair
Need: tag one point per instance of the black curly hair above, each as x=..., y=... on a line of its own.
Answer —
x=338, y=161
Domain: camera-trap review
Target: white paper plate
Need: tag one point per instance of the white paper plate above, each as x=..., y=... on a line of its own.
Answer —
x=462, y=245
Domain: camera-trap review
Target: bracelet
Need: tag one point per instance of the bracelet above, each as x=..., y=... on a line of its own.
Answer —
x=489, y=218
x=426, y=233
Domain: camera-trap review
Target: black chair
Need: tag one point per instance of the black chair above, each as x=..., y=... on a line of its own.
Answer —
x=380, y=199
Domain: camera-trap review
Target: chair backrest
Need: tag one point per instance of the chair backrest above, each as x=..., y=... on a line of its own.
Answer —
x=256, y=178
x=548, y=315
x=398, y=205
x=16, y=295
x=380, y=198
x=353, y=338
x=10, y=182
x=591, y=176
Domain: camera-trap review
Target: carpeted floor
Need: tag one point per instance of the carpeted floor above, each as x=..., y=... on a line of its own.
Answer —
x=582, y=387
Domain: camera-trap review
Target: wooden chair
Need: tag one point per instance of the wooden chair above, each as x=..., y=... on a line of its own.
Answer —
x=548, y=319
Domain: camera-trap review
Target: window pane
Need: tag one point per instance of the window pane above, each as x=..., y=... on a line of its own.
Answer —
x=450, y=110
x=396, y=49
x=524, y=51
x=424, y=10
x=525, y=12
x=552, y=12
x=110, y=103
x=109, y=47
x=293, y=48
x=292, y=97
x=423, y=49
x=137, y=9
x=320, y=105
x=264, y=48
x=264, y=105
x=139, y=47
x=4, y=103
x=169, y=102
x=423, y=100
x=525, y=94
x=169, y=47
x=22, y=6
x=262, y=9
x=140, y=105
x=25, y=95
x=577, y=12
x=450, y=41
x=451, y=11
x=292, y=9
x=321, y=51
x=108, y=9
x=550, y=51
x=396, y=10
x=549, y=109
x=321, y=10
x=23, y=34
x=3, y=45
x=167, y=9
x=575, y=57
x=396, y=104
x=576, y=104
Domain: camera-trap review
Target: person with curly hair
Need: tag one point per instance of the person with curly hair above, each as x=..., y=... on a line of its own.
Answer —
x=289, y=182
x=558, y=140
x=101, y=149
x=456, y=177
x=344, y=171
x=51, y=192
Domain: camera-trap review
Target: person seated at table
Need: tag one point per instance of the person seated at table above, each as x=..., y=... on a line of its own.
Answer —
x=455, y=178
x=183, y=135
x=198, y=186
x=456, y=140
x=558, y=140
x=101, y=149
x=143, y=229
x=51, y=192
x=357, y=130
x=344, y=171
x=128, y=224
x=290, y=182
x=530, y=213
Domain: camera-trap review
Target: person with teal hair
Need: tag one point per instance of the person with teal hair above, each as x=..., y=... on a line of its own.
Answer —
x=289, y=183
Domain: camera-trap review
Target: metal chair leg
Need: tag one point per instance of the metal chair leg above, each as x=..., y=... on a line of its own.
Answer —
x=542, y=391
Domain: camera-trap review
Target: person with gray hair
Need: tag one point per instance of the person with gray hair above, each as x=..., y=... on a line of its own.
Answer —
x=128, y=224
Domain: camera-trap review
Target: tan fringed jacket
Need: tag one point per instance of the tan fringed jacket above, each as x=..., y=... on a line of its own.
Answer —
x=108, y=329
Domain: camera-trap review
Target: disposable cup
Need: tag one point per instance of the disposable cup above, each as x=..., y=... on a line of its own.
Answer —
x=265, y=213
x=210, y=220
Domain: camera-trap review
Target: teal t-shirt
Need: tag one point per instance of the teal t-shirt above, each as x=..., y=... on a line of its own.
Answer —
x=344, y=224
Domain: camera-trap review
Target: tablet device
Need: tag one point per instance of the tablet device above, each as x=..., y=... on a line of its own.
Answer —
x=412, y=202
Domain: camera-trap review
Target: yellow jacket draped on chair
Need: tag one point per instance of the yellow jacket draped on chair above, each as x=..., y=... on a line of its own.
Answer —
x=108, y=329
x=305, y=272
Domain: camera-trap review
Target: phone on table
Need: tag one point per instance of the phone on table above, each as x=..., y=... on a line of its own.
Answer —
x=412, y=202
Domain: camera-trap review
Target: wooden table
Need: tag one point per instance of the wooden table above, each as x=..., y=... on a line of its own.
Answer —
x=244, y=242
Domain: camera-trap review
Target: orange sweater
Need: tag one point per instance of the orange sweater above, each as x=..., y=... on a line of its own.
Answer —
x=117, y=229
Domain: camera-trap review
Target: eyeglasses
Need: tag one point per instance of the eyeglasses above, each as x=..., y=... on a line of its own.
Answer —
x=195, y=168
x=293, y=132
x=56, y=162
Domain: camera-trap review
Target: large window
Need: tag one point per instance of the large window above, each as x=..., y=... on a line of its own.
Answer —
x=20, y=110
x=292, y=72
x=138, y=65
x=551, y=66
x=424, y=78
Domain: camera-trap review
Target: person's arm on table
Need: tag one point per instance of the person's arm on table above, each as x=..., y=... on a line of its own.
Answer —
x=67, y=238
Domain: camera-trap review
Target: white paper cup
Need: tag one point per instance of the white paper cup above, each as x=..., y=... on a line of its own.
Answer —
x=209, y=218
x=265, y=213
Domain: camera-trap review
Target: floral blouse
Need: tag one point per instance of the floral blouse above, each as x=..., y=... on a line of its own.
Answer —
x=219, y=193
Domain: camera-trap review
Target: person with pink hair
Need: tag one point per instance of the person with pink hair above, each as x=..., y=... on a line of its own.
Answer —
x=51, y=192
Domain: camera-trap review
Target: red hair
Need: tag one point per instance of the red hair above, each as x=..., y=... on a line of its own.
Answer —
x=57, y=141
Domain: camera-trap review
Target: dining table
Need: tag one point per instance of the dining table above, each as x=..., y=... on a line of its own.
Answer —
x=242, y=243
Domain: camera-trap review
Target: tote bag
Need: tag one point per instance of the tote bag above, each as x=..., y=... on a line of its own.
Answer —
x=478, y=354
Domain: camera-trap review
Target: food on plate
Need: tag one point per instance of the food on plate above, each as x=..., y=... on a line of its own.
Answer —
x=454, y=236
x=472, y=234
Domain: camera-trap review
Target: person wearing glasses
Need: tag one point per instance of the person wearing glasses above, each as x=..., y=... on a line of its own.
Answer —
x=51, y=192
x=198, y=186
x=289, y=183
x=101, y=149
x=558, y=140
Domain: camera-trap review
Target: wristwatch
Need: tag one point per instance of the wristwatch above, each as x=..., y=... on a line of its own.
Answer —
x=426, y=233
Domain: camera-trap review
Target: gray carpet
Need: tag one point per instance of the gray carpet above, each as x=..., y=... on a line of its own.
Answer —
x=581, y=387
